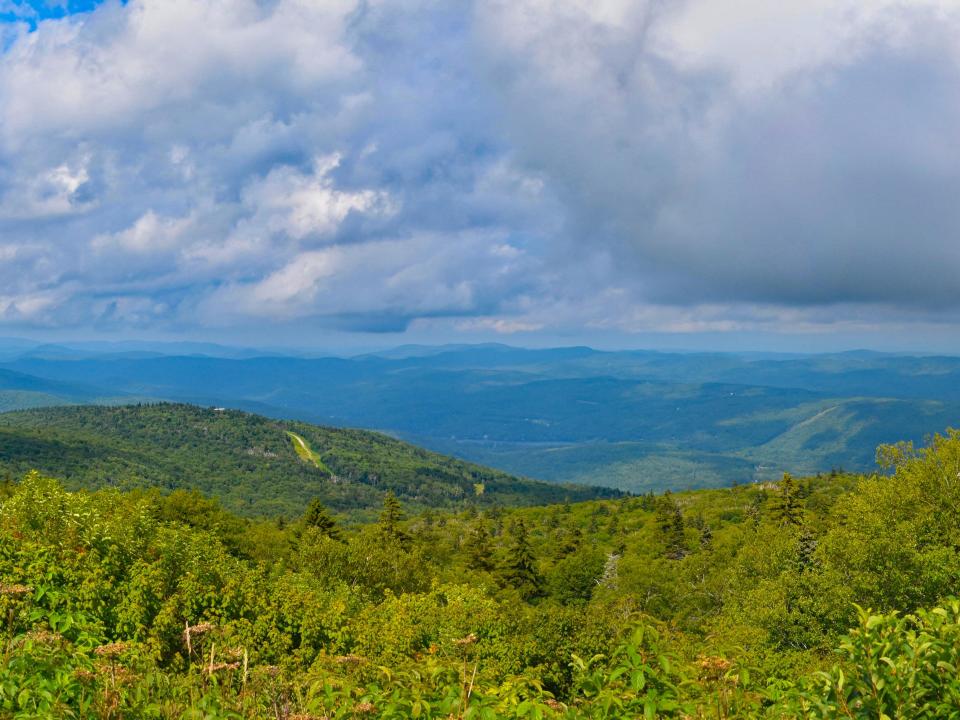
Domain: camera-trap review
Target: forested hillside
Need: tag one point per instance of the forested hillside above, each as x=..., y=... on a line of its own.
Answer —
x=802, y=598
x=251, y=463
x=634, y=420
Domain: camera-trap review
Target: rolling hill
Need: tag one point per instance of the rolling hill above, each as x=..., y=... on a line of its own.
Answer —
x=635, y=420
x=254, y=465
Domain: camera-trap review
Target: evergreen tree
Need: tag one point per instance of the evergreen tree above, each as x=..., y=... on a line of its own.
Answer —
x=670, y=523
x=569, y=542
x=318, y=517
x=478, y=547
x=806, y=547
x=676, y=540
x=521, y=570
x=648, y=501
x=788, y=509
x=390, y=518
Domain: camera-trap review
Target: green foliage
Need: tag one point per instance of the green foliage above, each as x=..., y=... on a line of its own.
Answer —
x=319, y=519
x=892, y=666
x=142, y=605
x=520, y=569
x=787, y=509
x=575, y=577
x=641, y=681
x=672, y=528
x=391, y=521
x=479, y=548
x=253, y=465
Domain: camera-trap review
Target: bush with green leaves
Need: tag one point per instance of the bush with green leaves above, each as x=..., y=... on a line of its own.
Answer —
x=892, y=666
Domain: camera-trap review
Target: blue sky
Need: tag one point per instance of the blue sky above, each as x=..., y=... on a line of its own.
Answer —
x=34, y=11
x=616, y=172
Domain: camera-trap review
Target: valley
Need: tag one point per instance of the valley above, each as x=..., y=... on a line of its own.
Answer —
x=635, y=421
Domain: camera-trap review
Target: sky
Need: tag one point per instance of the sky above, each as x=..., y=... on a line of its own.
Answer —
x=683, y=174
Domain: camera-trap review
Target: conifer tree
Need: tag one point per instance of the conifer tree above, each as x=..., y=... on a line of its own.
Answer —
x=390, y=518
x=676, y=540
x=806, y=547
x=521, y=570
x=569, y=542
x=788, y=509
x=478, y=547
x=755, y=509
x=318, y=517
x=553, y=519
x=672, y=530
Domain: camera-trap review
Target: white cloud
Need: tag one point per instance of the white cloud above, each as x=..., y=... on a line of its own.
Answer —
x=149, y=234
x=51, y=192
x=301, y=204
x=393, y=280
x=497, y=166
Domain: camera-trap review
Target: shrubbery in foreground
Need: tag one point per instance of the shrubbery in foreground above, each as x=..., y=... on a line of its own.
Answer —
x=138, y=605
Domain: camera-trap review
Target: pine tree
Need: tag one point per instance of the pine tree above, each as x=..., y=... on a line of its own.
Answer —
x=787, y=509
x=569, y=542
x=806, y=547
x=390, y=518
x=669, y=521
x=478, y=547
x=676, y=540
x=521, y=570
x=318, y=517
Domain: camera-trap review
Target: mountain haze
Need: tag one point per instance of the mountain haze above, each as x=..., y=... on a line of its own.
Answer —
x=635, y=420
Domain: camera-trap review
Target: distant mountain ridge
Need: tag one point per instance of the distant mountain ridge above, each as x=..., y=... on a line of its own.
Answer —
x=636, y=420
x=250, y=462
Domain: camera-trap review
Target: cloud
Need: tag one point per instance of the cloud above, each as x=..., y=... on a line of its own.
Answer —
x=483, y=165
x=789, y=154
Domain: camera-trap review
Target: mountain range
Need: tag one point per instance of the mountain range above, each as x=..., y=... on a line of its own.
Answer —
x=635, y=420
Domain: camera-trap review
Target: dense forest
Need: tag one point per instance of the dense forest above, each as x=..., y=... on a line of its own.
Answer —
x=822, y=597
x=252, y=464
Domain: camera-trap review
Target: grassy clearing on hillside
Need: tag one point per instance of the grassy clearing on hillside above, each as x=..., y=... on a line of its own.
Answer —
x=306, y=453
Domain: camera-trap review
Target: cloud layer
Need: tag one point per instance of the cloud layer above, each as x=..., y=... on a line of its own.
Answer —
x=494, y=165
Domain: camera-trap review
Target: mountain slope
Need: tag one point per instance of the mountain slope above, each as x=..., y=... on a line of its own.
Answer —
x=249, y=461
x=635, y=420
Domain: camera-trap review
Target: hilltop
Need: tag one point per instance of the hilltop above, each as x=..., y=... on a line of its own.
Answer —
x=254, y=465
